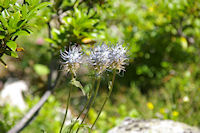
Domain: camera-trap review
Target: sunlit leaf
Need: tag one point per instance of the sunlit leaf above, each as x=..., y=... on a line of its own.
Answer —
x=41, y=69
x=3, y=21
x=21, y=32
x=12, y=45
x=78, y=84
x=14, y=54
x=2, y=36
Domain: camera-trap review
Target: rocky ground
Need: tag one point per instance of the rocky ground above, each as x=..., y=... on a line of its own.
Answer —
x=130, y=125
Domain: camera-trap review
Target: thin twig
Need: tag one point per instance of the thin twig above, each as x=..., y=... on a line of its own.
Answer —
x=15, y=38
x=52, y=55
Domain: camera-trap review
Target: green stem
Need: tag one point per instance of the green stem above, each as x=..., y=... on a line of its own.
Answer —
x=92, y=102
x=80, y=114
x=87, y=103
x=107, y=97
x=68, y=101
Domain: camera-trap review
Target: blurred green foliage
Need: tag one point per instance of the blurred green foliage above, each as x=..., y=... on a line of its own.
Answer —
x=162, y=80
x=9, y=115
x=15, y=21
x=161, y=34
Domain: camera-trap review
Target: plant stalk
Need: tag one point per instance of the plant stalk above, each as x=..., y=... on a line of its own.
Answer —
x=67, y=107
x=85, y=106
x=92, y=102
x=107, y=97
x=80, y=114
x=68, y=101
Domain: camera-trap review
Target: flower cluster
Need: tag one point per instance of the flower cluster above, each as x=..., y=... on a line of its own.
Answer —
x=118, y=57
x=71, y=59
x=99, y=58
x=102, y=58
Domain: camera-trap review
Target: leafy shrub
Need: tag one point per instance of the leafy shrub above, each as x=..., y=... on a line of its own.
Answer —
x=15, y=21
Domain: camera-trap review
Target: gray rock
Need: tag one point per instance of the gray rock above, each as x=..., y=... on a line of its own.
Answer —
x=130, y=125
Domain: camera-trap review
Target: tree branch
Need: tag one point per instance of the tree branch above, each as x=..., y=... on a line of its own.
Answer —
x=31, y=114
x=34, y=111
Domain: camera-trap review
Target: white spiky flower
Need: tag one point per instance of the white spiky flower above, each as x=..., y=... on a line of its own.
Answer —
x=71, y=59
x=99, y=58
x=118, y=57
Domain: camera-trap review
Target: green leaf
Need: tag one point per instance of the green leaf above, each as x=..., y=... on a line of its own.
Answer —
x=68, y=20
x=32, y=13
x=11, y=22
x=77, y=13
x=14, y=54
x=2, y=36
x=21, y=23
x=13, y=1
x=87, y=89
x=16, y=17
x=41, y=69
x=3, y=21
x=6, y=3
x=77, y=84
x=5, y=13
x=35, y=2
x=76, y=32
x=42, y=5
x=1, y=2
x=21, y=33
x=12, y=45
x=24, y=11
x=11, y=30
x=11, y=53
x=50, y=40
x=1, y=29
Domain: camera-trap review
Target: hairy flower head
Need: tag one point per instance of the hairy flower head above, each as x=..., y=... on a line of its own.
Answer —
x=71, y=59
x=99, y=58
x=118, y=57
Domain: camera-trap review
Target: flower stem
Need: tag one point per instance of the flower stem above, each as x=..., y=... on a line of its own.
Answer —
x=92, y=102
x=68, y=101
x=107, y=97
x=80, y=114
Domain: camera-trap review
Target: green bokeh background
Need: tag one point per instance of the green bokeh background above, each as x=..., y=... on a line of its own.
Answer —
x=162, y=79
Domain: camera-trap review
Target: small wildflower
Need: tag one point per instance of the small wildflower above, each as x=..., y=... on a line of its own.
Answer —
x=118, y=57
x=175, y=113
x=99, y=58
x=71, y=59
x=150, y=105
